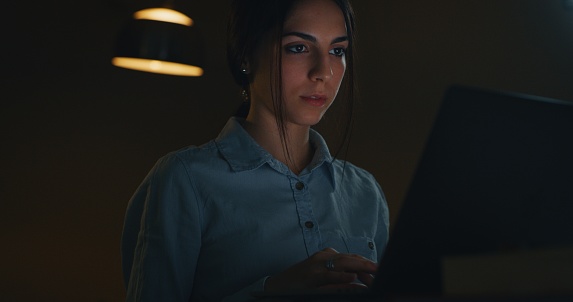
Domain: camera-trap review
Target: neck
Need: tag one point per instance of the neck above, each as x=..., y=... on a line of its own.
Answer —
x=298, y=153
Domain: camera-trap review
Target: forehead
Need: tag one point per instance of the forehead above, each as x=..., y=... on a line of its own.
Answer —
x=308, y=15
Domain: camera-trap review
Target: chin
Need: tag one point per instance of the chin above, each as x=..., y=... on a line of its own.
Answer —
x=308, y=120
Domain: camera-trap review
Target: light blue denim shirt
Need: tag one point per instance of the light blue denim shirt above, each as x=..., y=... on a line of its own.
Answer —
x=210, y=223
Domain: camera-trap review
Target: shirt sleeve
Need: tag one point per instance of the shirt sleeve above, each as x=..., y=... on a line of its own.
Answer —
x=169, y=236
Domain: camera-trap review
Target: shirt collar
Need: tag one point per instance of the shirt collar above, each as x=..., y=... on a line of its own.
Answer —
x=239, y=149
x=321, y=152
x=243, y=153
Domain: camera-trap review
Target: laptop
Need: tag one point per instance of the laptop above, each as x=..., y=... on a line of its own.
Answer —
x=496, y=175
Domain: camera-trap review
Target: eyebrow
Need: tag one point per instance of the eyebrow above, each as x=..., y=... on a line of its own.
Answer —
x=312, y=38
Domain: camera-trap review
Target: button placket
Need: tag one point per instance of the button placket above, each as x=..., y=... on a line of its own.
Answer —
x=299, y=186
x=310, y=230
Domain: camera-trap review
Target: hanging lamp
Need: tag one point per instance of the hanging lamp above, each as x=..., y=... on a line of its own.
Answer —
x=160, y=40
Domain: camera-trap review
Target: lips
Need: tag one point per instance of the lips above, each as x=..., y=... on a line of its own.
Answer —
x=316, y=100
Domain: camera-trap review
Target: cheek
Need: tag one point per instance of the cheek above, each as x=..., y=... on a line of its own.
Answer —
x=292, y=71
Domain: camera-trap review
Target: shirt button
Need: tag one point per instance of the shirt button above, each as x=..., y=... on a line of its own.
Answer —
x=309, y=224
x=299, y=186
x=371, y=245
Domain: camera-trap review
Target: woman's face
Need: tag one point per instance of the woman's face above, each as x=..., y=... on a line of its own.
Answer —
x=313, y=63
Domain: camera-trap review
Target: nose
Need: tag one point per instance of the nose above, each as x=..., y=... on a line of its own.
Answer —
x=321, y=70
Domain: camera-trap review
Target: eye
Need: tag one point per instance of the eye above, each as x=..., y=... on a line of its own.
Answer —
x=339, y=51
x=299, y=48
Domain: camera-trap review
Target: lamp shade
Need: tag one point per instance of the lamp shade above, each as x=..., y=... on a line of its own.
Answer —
x=163, y=14
x=159, y=47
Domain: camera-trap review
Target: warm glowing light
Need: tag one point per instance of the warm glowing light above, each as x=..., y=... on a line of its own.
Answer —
x=156, y=66
x=164, y=15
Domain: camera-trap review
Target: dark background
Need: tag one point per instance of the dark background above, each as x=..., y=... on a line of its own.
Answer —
x=78, y=134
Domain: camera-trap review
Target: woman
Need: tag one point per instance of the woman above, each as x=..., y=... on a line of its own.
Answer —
x=264, y=206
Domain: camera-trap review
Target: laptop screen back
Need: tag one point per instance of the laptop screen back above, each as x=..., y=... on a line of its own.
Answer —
x=496, y=175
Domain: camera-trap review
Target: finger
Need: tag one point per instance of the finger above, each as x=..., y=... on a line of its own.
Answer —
x=356, y=256
x=345, y=263
x=330, y=250
x=365, y=278
x=332, y=277
x=328, y=253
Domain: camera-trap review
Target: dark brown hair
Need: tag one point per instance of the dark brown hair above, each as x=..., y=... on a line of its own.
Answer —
x=250, y=22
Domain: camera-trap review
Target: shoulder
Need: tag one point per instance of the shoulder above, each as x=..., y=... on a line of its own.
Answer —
x=193, y=152
x=181, y=162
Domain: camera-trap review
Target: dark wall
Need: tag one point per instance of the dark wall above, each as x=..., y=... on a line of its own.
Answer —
x=78, y=135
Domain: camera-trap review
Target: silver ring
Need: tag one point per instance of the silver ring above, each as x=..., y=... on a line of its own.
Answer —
x=330, y=264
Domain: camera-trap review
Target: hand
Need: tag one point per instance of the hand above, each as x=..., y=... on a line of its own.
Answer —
x=313, y=272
